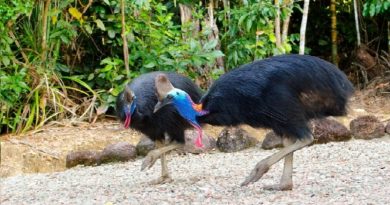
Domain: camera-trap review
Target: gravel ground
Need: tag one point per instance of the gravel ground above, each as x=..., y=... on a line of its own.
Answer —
x=354, y=172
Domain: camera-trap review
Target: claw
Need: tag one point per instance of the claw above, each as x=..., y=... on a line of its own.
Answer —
x=256, y=174
x=149, y=160
x=162, y=180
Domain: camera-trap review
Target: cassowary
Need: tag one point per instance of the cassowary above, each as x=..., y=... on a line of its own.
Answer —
x=282, y=92
x=135, y=107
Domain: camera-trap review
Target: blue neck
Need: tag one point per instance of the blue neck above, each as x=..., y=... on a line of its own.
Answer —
x=187, y=111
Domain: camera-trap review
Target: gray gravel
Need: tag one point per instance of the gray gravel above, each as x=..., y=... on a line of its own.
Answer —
x=354, y=172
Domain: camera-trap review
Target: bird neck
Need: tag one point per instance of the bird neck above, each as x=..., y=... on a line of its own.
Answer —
x=198, y=108
x=137, y=116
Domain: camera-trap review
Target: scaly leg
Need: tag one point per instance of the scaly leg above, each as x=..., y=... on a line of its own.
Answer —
x=165, y=177
x=263, y=166
x=152, y=157
x=286, y=182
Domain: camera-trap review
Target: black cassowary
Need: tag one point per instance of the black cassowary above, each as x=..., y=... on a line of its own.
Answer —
x=282, y=92
x=135, y=109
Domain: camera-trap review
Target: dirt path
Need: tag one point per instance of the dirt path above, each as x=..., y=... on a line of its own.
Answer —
x=353, y=172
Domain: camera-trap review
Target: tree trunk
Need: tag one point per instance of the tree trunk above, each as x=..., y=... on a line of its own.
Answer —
x=277, y=24
x=355, y=7
x=189, y=26
x=210, y=21
x=334, y=31
x=125, y=47
x=286, y=22
x=388, y=36
x=303, y=27
x=226, y=7
x=44, y=30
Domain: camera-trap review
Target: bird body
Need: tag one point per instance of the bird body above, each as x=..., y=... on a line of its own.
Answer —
x=282, y=93
x=143, y=119
x=135, y=107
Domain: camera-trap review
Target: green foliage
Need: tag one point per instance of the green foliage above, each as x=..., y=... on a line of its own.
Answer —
x=12, y=9
x=155, y=43
x=12, y=76
x=109, y=80
x=12, y=88
x=376, y=7
x=74, y=67
x=31, y=91
x=249, y=32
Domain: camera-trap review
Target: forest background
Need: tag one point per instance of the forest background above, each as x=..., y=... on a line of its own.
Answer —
x=71, y=58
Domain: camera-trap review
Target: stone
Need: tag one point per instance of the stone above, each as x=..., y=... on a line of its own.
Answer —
x=233, y=139
x=144, y=146
x=86, y=158
x=367, y=127
x=209, y=143
x=329, y=130
x=118, y=152
x=272, y=141
x=324, y=130
x=387, y=129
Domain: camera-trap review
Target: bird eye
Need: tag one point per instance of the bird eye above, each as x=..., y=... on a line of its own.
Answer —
x=177, y=93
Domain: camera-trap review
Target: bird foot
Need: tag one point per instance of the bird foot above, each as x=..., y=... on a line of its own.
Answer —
x=279, y=187
x=161, y=180
x=150, y=159
x=260, y=169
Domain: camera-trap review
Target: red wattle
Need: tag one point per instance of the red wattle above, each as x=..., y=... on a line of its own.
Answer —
x=127, y=121
x=198, y=142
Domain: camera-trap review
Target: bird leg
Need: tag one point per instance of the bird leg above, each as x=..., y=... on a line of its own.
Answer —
x=263, y=166
x=165, y=177
x=152, y=157
x=286, y=182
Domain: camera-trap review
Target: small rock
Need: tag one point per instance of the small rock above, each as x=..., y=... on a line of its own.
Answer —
x=324, y=131
x=271, y=141
x=329, y=130
x=119, y=152
x=387, y=129
x=87, y=158
x=233, y=139
x=367, y=127
x=144, y=146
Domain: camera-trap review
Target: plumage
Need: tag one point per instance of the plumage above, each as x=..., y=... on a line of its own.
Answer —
x=166, y=120
x=282, y=93
x=135, y=106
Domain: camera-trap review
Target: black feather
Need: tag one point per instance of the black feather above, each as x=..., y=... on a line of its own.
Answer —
x=167, y=120
x=282, y=92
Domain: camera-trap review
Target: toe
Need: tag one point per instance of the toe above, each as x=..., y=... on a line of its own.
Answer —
x=279, y=187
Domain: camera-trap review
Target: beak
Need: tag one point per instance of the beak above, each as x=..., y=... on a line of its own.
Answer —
x=162, y=104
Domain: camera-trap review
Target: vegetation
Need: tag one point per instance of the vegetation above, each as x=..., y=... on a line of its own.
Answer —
x=65, y=59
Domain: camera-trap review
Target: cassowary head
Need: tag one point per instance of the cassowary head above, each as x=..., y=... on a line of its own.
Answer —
x=181, y=101
x=125, y=106
x=169, y=95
